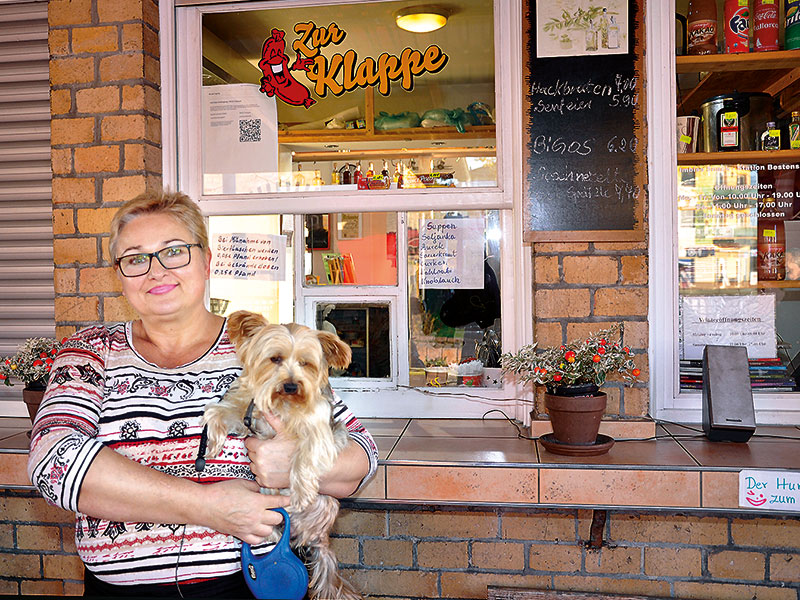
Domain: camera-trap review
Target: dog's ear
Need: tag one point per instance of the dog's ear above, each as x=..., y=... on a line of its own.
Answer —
x=337, y=353
x=243, y=324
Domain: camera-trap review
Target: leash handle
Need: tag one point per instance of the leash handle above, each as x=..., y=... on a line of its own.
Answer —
x=279, y=574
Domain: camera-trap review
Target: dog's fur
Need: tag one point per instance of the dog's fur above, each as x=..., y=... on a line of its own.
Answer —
x=286, y=373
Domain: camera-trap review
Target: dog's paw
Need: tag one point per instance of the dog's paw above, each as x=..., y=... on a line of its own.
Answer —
x=214, y=419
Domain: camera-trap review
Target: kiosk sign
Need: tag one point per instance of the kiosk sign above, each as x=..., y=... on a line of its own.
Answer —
x=770, y=490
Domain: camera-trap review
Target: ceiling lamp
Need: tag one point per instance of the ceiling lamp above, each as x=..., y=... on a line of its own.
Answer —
x=421, y=19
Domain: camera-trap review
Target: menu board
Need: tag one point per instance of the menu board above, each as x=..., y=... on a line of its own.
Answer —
x=451, y=254
x=249, y=256
x=584, y=140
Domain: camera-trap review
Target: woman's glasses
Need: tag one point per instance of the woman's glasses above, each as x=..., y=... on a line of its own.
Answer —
x=171, y=257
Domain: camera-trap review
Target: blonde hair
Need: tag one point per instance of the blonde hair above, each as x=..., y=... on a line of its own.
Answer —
x=175, y=204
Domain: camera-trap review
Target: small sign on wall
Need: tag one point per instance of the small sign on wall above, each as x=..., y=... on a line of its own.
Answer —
x=451, y=253
x=249, y=256
x=770, y=490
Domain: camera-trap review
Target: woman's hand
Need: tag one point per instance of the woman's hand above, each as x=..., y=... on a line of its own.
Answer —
x=270, y=459
x=237, y=507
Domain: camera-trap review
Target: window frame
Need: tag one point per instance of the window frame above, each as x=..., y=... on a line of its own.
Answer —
x=666, y=399
x=180, y=39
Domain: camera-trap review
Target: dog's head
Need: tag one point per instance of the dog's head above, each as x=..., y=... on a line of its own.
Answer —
x=285, y=364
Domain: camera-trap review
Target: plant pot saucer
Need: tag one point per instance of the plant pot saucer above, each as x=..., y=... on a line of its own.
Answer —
x=601, y=445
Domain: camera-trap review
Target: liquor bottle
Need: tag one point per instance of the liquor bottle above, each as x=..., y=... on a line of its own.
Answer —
x=771, y=248
x=604, y=29
x=370, y=171
x=613, y=34
x=765, y=25
x=401, y=168
x=299, y=180
x=728, y=138
x=357, y=174
x=387, y=181
x=771, y=138
x=794, y=131
x=591, y=37
x=702, y=27
x=792, y=31
x=346, y=175
x=737, y=26
x=335, y=180
x=317, y=181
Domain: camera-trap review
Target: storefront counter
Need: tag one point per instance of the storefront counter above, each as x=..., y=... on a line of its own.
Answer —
x=441, y=461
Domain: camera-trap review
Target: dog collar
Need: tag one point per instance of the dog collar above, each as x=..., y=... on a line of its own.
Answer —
x=248, y=416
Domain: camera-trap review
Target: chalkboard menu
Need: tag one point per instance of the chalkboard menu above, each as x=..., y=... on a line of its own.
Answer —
x=584, y=142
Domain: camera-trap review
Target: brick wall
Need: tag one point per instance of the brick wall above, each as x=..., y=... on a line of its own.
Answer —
x=436, y=552
x=580, y=288
x=105, y=143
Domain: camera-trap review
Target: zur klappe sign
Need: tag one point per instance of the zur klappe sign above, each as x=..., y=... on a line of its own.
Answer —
x=340, y=72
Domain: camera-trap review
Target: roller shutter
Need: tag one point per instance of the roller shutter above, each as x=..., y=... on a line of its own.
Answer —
x=26, y=229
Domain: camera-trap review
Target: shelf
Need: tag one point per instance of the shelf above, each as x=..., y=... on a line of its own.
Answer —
x=362, y=135
x=394, y=153
x=715, y=286
x=750, y=61
x=774, y=73
x=739, y=158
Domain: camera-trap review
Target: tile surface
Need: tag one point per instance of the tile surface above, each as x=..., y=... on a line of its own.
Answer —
x=460, y=428
x=753, y=454
x=467, y=484
x=465, y=450
x=658, y=452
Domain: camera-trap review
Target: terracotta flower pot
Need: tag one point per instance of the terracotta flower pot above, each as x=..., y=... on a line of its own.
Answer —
x=32, y=399
x=575, y=419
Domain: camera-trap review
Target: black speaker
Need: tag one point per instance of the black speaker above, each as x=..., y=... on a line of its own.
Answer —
x=728, y=413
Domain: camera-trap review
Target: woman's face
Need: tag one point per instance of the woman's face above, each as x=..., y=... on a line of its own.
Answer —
x=163, y=292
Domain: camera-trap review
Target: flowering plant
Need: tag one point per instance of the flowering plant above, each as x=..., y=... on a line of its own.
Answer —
x=32, y=362
x=578, y=362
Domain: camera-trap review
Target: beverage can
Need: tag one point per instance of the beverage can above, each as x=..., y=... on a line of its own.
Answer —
x=765, y=25
x=737, y=26
x=792, y=11
x=702, y=27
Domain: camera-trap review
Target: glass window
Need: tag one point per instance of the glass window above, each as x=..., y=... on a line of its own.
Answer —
x=300, y=100
x=365, y=327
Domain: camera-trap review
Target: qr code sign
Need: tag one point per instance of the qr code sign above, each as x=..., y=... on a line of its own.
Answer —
x=249, y=130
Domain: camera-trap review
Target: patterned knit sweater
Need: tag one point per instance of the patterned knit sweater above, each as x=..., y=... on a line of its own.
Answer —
x=103, y=393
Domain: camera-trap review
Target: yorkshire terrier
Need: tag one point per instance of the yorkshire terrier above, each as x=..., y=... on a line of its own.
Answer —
x=286, y=373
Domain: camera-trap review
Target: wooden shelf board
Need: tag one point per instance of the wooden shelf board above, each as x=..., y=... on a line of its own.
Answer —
x=739, y=158
x=362, y=135
x=752, y=61
x=759, y=286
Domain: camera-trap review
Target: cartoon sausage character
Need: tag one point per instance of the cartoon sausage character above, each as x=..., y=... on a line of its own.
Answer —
x=277, y=79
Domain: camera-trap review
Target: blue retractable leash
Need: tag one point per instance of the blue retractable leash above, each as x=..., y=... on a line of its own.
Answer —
x=279, y=574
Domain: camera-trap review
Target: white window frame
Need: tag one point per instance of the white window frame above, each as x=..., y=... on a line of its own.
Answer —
x=666, y=400
x=180, y=26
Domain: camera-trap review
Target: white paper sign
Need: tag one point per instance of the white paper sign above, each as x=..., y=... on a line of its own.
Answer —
x=240, y=139
x=729, y=321
x=451, y=253
x=249, y=256
x=770, y=490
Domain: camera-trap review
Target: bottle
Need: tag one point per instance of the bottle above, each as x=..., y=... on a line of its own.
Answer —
x=604, y=28
x=771, y=248
x=771, y=138
x=387, y=181
x=792, y=31
x=317, y=181
x=299, y=181
x=335, y=179
x=370, y=171
x=613, y=34
x=591, y=37
x=728, y=138
x=737, y=26
x=357, y=174
x=401, y=168
x=346, y=175
x=765, y=25
x=702, y=27
x=794, y=131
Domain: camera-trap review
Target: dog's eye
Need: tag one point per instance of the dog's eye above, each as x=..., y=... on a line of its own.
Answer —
x=277, y=359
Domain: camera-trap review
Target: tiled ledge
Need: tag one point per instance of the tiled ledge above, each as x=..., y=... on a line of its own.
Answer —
x=441, y=461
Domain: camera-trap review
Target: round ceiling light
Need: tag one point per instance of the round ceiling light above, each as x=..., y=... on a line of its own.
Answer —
x=421, y=19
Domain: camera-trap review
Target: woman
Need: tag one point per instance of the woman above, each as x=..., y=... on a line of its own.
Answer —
x=117, y=436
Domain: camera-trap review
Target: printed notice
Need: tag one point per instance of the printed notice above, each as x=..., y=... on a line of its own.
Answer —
x=770, y=490
x=451, y=253
x=249, y=256
x=728, y=321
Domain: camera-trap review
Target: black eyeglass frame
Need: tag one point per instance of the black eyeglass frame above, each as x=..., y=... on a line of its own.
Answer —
x=155, y=254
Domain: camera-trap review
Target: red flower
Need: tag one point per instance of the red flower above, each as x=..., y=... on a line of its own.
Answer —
x=2, y=377
x=37, y=363
x=635, y=372
x=603, y=342
x=49, y=361
x=601, y=350
x=570, y=356
x=626, y=350
x=43, y=355
x=557, y=377
x=53, y=352
x=596, y=358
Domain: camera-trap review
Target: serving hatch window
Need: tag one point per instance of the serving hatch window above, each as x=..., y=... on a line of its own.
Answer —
x=340, y=98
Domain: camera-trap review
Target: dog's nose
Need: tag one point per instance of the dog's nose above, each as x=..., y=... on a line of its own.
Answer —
x=290, y=388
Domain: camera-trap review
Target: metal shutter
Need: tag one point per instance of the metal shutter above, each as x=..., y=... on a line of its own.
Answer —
x=26, y=211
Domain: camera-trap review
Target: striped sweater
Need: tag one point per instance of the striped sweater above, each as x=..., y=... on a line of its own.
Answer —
x=103, y=393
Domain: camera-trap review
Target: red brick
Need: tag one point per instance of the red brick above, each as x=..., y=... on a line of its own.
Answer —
x=545, y=269
x=76, y=308
x=360, y=522
x=121, y=66
x=444, y=524
x=388, y=553
x=555, y=557
x=95, y=220
x=112, y=11
x=97, y=159
x=616, y=559
x=69, y=12
x=61, y=160
x=442, y=555
x=673, y=562
x=123, y=127
x=771, y=533
x=634, y=269
x=590, y=269
x=620, y=301
x=345, y=549
x=98, y=99
x=38, y=537
x=20, y=565
x=670, y=529
x=96, y=280
x=42, y=588
x=71, y=131
x=120, y=189
x=505, y=556
x=551, y=527
x=73, y=190
x=71, y=70
x=65, y=281
x=63, y=567
x=60, y=102
x=547, y=334
x=58, y=42
x=784, y=567
x=33, y=510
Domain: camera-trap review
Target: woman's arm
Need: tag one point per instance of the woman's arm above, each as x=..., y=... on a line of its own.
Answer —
x=120, y=489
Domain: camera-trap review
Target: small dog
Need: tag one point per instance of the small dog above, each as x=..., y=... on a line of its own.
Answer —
x=286, y=373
